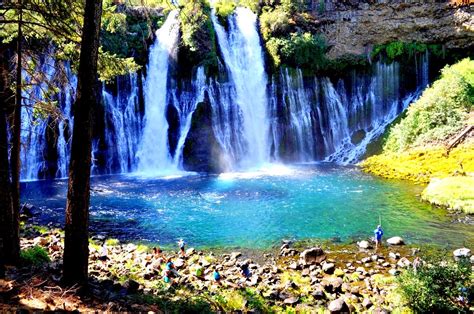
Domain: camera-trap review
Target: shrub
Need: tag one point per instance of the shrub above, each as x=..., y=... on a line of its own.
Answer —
x=436, y=286
x=441, y=111
x=398, y=50
x=299, y=50
x=34, y=256
x=274, y=23
x=224, y=8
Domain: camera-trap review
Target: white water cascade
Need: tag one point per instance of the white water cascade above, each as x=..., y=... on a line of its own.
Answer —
x=243, y=57
x=186, y=105
x=153, y=152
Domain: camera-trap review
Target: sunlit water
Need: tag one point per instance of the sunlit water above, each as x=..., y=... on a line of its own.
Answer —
x=255, y=209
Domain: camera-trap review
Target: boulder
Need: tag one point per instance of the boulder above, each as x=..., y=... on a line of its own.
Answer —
x=235, y=255
x=132, y=286
x=328, y=268
x=366, y=303
x=313, y=256
x=461, y=253
x=291, y=300
x=337, y=306
x=395, y=241
x=190, y=251
x=364, y=244
x=403, y=263
x=29, y=210
x=393, y=271
x=179, y=263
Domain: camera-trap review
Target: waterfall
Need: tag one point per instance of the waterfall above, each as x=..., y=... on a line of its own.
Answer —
x=123, y=125
x=35, y=127
x=186, y=106
x=243, y=57
x=66, y=126
x=318, y=119
x=153, y=152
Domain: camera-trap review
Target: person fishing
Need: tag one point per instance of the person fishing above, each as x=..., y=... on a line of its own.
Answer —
x=378, y=233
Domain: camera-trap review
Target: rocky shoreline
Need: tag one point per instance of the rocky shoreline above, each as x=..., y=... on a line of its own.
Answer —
x=334, y=278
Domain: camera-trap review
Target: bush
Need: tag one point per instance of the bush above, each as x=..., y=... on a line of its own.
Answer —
x=299, y=50
x=441, y=111
x=274, y=23
x=435, y=287
x=35, y=256
x=398, y=50
x=224, y=8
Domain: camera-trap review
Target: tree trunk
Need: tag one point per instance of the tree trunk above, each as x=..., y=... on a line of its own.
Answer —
x=6, y=205
x=76, y=246
x=13, y=249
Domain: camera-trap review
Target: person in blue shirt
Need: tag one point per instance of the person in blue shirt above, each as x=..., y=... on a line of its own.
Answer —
x=378, y=233
x=216, y=276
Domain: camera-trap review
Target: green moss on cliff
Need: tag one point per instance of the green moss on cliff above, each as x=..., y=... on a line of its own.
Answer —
x=398, y=50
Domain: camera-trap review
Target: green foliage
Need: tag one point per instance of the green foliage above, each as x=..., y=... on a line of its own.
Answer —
x=224, y=8
x=398, y=50
x=298, y=50
x=110, y=65
x=441, y=111
x=168, y=304
x=435, y=287
x=34, y=256
x=197, y=34
x=274, y=23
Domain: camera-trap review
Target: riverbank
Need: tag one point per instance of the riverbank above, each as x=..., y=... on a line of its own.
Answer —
x=450, y=177
x=293, y=277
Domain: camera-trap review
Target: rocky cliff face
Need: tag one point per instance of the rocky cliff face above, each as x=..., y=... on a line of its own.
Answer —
x=353, y=27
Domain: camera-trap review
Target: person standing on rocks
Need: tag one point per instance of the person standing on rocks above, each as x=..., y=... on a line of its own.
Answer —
x=181, y=245
x=104, y=253
x=378, y=233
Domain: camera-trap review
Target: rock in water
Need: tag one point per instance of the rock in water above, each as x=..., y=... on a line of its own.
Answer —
x=461, y=253
x=395, y=241
x=364, y=244
x=314, y=255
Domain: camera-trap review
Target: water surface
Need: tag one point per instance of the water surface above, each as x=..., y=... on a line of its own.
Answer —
x=254, y=209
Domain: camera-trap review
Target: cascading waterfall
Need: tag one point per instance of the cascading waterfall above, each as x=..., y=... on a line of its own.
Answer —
x=186, y=105
x=66, y=126
x=292, y=118
x=153, y=152
x=317, y=119
x=243, y=57
x=33, y=132
x=123, y=125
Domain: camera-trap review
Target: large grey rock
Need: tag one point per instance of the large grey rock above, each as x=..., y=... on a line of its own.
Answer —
x=337, y=306
x=313, y=256
x=364, y=244
x=395, y=241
